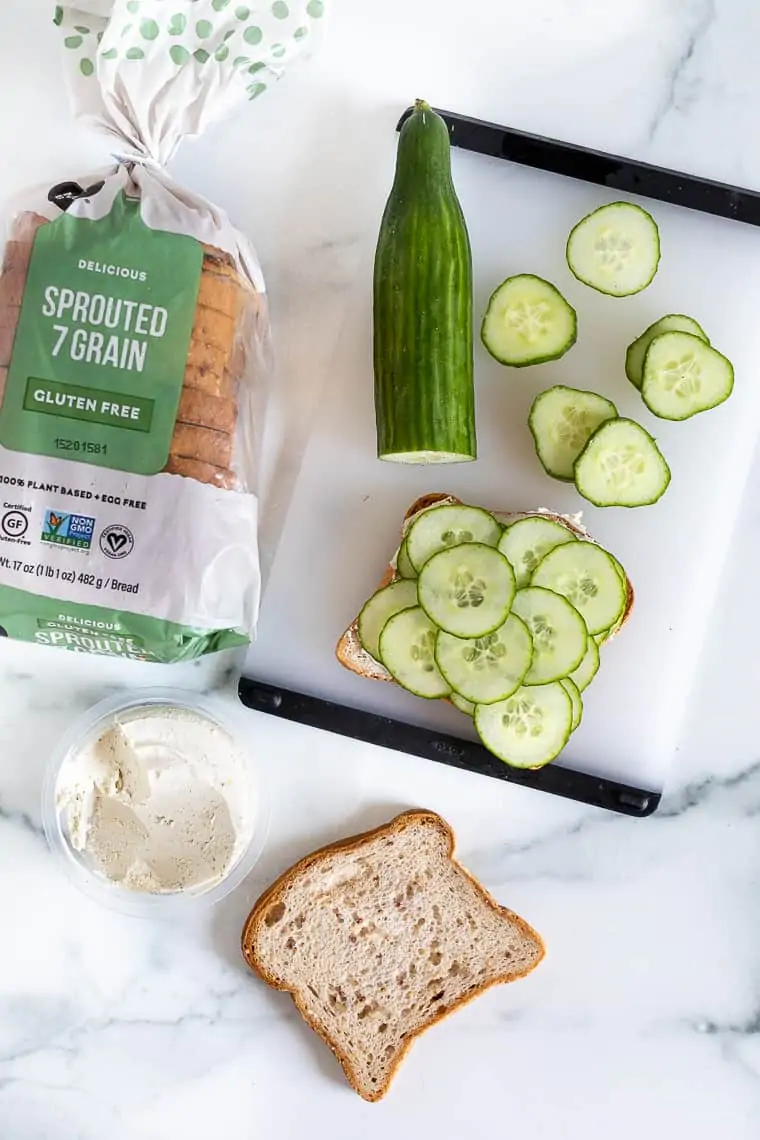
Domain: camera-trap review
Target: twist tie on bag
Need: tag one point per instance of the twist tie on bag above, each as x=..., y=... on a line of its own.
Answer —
x=152, y=72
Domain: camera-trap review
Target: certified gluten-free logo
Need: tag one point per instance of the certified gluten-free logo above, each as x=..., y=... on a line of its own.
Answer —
x=14, y=524
x=117, y=541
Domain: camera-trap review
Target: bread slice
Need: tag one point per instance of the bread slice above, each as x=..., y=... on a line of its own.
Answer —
x=350, y=651
x=378, y=937
x=196, y=407
x=195, y=469
x=202, y=444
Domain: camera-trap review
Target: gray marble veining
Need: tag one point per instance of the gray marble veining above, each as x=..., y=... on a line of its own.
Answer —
x=645, y=1017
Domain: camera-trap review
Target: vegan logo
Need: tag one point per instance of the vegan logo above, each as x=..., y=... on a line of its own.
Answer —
x=68, y=530
x=117, y=541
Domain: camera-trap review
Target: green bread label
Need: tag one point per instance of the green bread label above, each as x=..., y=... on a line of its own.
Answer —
x=102, y=341
x=109, y=633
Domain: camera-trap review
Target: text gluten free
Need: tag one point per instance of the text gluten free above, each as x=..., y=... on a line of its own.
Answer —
x=110, y=408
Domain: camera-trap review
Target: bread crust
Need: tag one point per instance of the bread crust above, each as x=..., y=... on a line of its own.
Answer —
x=200, y=472
x=350, y=844
x=202, y=444
x=350, y=651
x=215, y=412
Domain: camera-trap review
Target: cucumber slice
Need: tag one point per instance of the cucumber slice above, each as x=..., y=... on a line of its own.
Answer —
x=621, y=572
x=561, y=421
x=467, y=591
x=684, y=376
x=467, y=707
x=575, y=698
x=443, y=527
x=558, y=632
x=615, y=249
x=381, y=607
x=525, y=542
x=585, y=575
x=528, y=729
x=624, y=579
x=486, y=669
x=407, y=650
x=528, y=321
x=673, y=322
x=621, y=466
x=404, y=562
x=589, y=666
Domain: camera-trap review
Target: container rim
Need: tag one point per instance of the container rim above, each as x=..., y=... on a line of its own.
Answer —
x=145, y=904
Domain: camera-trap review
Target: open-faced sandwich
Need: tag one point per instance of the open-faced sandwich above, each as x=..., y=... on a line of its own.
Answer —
x=500, y=613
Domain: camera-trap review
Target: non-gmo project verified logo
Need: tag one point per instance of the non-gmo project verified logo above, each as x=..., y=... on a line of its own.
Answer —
x=68, y=530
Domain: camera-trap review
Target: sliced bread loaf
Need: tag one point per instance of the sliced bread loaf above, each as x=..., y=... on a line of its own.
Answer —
x=378, y=937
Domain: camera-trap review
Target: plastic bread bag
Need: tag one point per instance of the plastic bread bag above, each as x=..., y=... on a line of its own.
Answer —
x=134, y=349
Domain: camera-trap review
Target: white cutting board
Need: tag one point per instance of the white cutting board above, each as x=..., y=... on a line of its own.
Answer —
x=344, y=518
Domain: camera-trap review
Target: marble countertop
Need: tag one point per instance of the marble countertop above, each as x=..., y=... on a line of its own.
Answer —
x=645, y=1017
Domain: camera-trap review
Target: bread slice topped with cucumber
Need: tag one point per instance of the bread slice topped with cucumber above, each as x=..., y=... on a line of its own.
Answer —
x=500, y=613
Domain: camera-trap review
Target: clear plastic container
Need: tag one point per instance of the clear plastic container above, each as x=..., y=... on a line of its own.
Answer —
x=169, y=904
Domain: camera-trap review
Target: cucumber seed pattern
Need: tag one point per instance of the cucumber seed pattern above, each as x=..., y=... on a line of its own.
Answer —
x=531, y=321
x=579, y=587
x=484, y=652
x=613, y=250
x=523, y=716
x=457, y=537
x=682, y=377
x=622, y=466
x=467, y=590
x=422, y=651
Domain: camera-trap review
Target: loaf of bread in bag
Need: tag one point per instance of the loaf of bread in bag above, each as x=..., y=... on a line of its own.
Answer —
x=202, y=445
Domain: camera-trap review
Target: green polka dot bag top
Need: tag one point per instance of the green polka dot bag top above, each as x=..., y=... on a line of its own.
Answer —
x=155, y=71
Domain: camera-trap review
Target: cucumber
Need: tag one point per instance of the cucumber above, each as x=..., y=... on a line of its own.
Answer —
x=561, y=421
x=381, y=607
x=525, y=542
x=673, y=322
x=404, y=563
x=589, y=666
x=423, y=334
x=558, y=632
x=621, y=466
x=585, y=575
x=684, y=376
x=442, y=527
x=615, y=249
x=528, y=729
x=575, y=698
x=467, y=707
x=621, y=572
x=528, y=321
x=486, y=669
x=468, y=590
x=407, y=650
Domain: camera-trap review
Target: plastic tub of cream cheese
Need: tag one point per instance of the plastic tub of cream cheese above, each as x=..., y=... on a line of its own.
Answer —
x=153, y=803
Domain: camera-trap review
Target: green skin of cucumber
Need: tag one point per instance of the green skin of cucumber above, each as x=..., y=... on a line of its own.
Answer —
x=423, y=336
